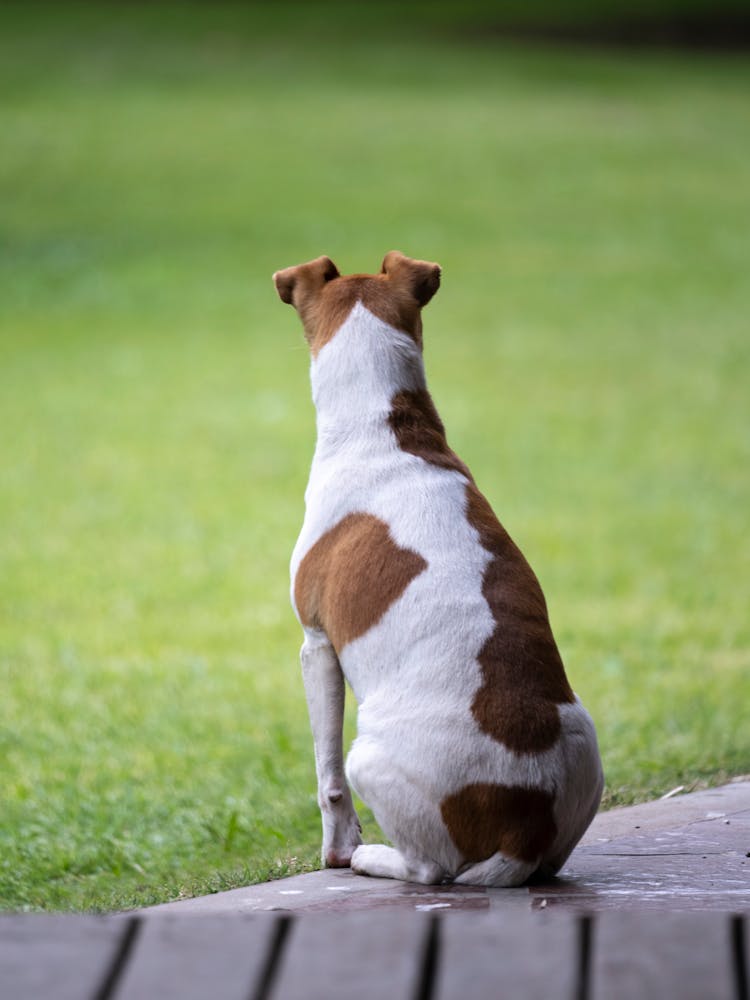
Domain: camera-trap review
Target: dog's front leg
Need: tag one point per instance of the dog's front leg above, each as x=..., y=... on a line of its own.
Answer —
x=324, y=688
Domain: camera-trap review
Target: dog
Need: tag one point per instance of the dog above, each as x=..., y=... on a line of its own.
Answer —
x=479, y=763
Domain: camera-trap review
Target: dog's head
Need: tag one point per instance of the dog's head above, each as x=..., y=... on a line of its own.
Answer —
x=324, y=298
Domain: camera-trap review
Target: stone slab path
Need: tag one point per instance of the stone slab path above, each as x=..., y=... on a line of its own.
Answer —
x=686, y=852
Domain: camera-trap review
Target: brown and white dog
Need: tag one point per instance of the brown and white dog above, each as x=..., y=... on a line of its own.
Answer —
x=478, y=761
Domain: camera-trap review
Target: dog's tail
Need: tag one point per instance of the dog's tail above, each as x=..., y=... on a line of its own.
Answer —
x=497, y=870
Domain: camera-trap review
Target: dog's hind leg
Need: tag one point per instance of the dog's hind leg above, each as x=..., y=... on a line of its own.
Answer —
x=386, y=862
x=422, y=851
x=498, y=871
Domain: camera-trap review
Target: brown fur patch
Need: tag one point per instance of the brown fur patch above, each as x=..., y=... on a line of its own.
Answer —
x=351, y=576
x=324, y=299
x=483, y=819
x=524, y=678
x=419, y=430
x=327, y=313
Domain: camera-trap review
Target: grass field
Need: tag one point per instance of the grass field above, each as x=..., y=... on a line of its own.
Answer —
x=589, y=352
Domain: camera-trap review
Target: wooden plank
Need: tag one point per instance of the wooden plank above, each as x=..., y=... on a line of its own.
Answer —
x=515, y=955
x=65, y=957
x=193, y=956
x=657, y=955
x=367, y=955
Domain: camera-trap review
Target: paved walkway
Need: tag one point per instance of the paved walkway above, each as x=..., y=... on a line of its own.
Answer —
x=686, y=852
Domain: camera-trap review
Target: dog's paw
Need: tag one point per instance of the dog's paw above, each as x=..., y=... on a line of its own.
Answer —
x=386, y=862
x=338, y=857
x=359, y=860
x=342, y=842
x=370, y=859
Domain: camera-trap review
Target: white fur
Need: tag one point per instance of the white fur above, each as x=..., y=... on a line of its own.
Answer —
x=415, y=673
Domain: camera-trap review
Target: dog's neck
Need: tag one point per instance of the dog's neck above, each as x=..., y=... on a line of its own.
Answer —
x=355, y=378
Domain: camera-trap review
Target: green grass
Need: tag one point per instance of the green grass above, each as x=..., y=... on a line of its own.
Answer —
x=589, y=353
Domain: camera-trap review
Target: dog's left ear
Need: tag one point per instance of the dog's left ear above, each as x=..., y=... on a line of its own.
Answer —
x=420, y=276
x=297, y=284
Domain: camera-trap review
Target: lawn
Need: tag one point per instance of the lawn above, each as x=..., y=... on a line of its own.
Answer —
x=589, y=352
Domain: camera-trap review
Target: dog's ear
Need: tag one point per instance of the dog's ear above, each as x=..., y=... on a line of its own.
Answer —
x=420, y=277
x=297, y=284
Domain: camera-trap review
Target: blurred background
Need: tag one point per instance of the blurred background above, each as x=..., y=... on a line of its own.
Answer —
x=582, y=174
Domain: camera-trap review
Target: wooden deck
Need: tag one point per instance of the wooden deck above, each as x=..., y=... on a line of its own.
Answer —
x=388, y=954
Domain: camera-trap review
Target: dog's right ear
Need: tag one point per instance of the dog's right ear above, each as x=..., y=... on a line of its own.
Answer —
x=420, y=277
x=297, y=285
